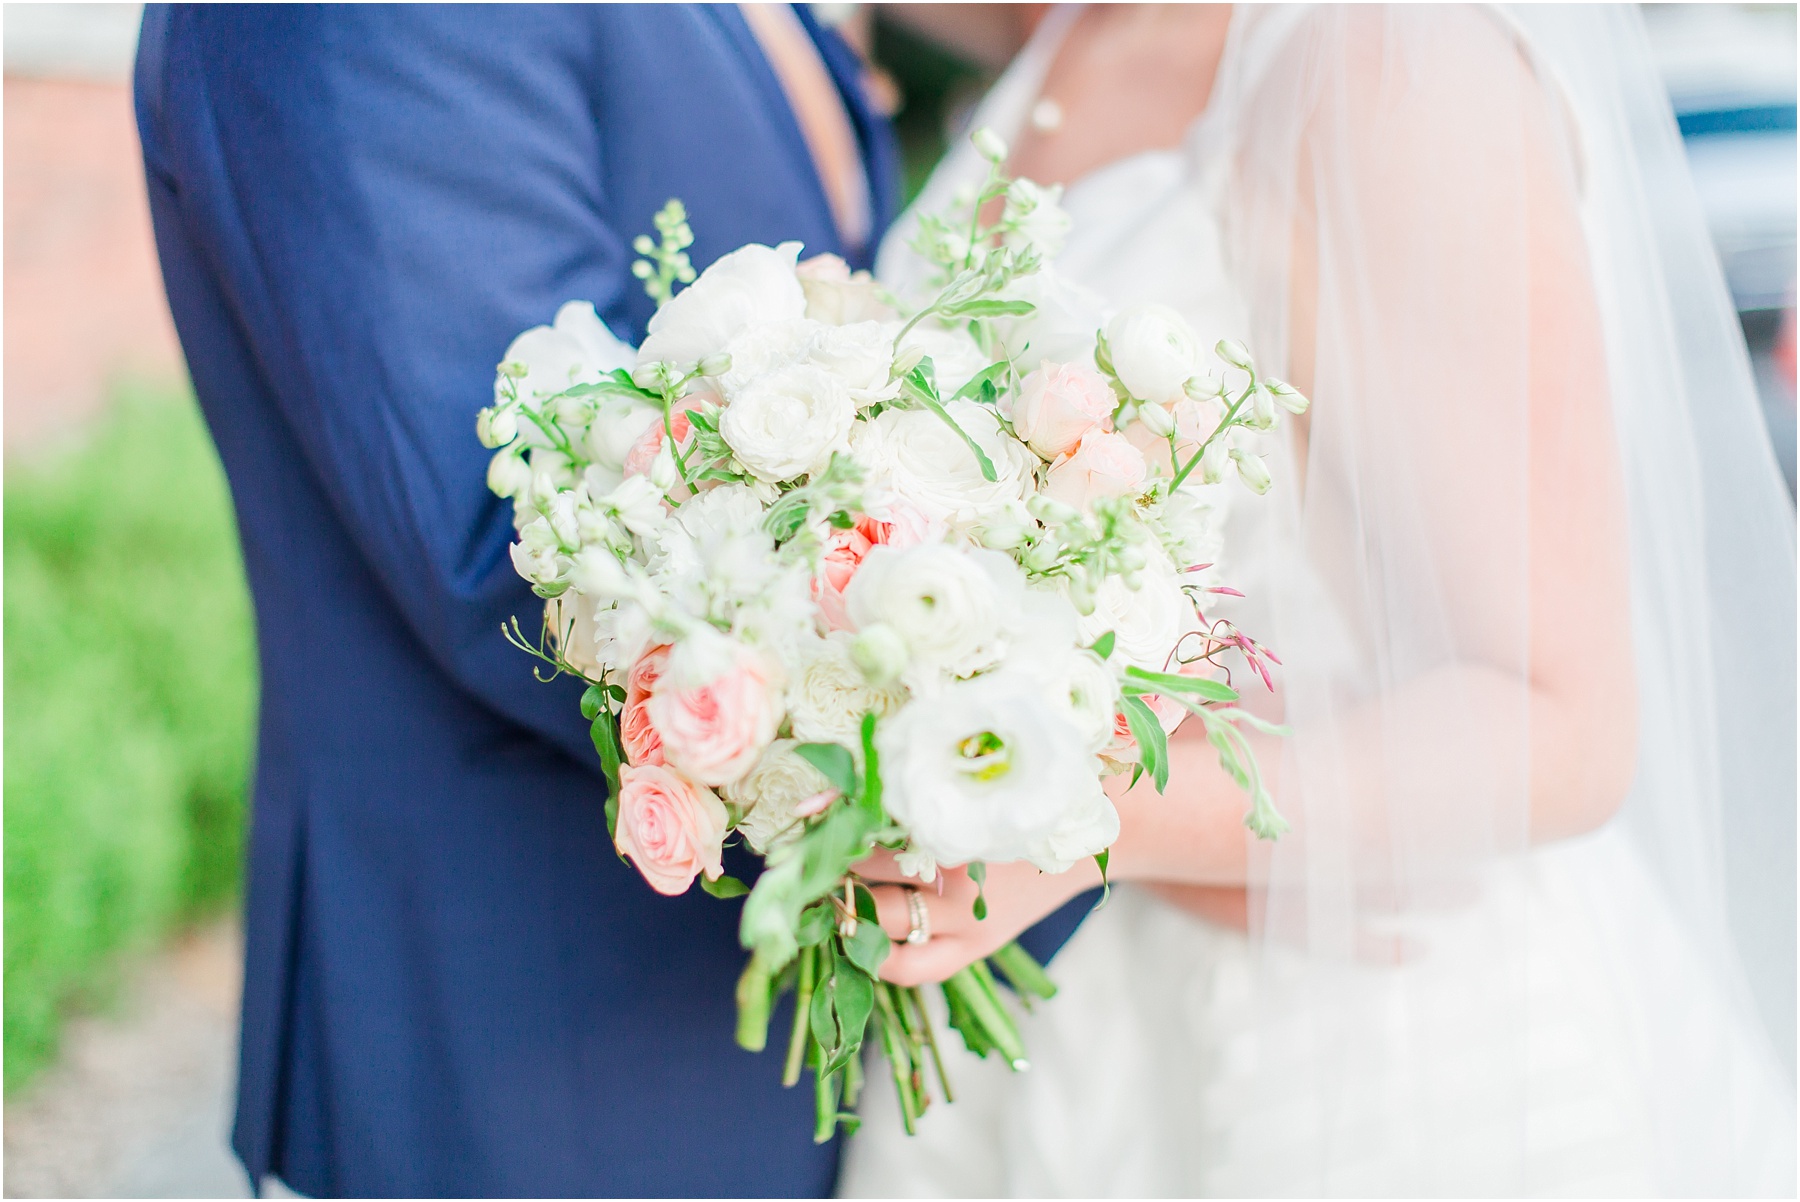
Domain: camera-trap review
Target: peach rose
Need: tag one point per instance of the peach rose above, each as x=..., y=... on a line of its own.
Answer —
x=900, y=526
x=672, y=829
x=1058, y=404
x=1104, y=465
x=715, y=732
x=637, y=736
x=1120, y=754
x=643, y=452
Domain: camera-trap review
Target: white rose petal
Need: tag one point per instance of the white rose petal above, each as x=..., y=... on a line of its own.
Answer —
x=789, y=422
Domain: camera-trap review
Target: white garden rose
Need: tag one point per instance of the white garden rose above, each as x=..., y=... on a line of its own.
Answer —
x=1146, y=622
x=914, y=455
x=577, y=349
x=771, y=792
x=838, y=296
x=1153, y=352
x=861, y=355
x=828, y=694
x=987, y=770
x=751, y=285
x=788, y=422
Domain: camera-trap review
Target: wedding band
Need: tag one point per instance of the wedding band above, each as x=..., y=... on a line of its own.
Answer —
x=919, y=916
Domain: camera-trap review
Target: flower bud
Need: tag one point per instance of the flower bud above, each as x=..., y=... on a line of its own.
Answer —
x=1051, y=511
x=1041, y=556
x=1235, y=353
x=1262, y=410
x=663, y=472
x=1002, y=536
x=1214, y=462
x=1081, y=596
x=989, y=145
x=597, y=573
x=508, y=475
x=1252, y=471
x=1287, y=396
x=880, y=652
x=715, y=364
x=1131, y=559
x=650, y=376
x=906, y=360
x=1156, y=419
x=1205, y=386
x=496, y=427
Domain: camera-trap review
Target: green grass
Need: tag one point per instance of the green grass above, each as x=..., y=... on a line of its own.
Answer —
x=130, y=706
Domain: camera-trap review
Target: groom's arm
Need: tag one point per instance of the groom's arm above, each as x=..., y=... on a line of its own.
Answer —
x=383, y=197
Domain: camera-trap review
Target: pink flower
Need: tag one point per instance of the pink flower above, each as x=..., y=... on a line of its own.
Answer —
x=644, y=674
x=900, y=526
x=637, y=735
x=643, y=452
x=672, y=829
x=1104, y=465
x=714, y=733
x=1058, y=404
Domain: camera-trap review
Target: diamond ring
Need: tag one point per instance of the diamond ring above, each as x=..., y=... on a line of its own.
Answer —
x=919, y=916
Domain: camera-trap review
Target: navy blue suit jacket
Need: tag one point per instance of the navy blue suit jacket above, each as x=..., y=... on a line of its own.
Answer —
x=453, y=986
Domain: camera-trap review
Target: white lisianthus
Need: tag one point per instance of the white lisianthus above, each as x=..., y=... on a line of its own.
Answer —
x=987, y=770
x=751, y=285
x=838, y=296
x=771, y=792
x=949, y=606
x=920, y=460
x=571, y=621
x=828, y=694
x=789, y=422
x=576, y=349
x=508, y=474
x=861, y=355
x=1153, y=352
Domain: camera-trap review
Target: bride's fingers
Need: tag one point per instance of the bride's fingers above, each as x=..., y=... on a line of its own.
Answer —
x=892, y=909
x=928, y=963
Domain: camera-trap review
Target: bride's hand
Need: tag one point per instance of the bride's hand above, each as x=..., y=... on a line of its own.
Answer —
x=1017, y=896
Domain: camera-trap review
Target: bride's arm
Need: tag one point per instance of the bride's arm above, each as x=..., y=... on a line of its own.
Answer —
x=1491, y=358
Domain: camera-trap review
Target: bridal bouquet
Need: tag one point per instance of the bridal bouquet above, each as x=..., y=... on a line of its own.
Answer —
x=844, y=573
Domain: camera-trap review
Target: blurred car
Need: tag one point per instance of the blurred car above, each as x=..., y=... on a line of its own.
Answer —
x=1730, y=73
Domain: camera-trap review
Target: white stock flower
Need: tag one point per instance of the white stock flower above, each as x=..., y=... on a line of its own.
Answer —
x=538, y=556
x=576, y=349
x=920, y=460
x=987, y=770
x=950, y=606
x=788, y=422
x=751, y=285
x=1153, y=352
x=770, y=793
x=827, y=694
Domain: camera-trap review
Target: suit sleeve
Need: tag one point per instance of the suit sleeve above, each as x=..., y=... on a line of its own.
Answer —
x=386, y=196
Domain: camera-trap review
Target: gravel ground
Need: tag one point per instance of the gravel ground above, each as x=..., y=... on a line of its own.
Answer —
x=139, y=1104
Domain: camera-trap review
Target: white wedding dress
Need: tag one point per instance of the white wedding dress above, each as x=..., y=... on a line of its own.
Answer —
x=1569, y=1019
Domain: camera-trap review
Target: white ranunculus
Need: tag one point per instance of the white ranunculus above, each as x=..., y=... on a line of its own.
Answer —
x=789, y=422
x=577, y=349
x=1153, y=352
x=751, y=285
x=618, y=423
x=862, y=356
x=765, y=347
x=770, y=793
x=827, y=694
x=987, y=770
x=1147, y=622
x=920, y=460
x=951, y=606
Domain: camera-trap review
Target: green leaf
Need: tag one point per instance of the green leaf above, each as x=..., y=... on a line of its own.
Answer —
x=1153, y=744
x=816, y=925
x=919, y=390
x=1103, y=646
x=833, y=762
x=978, y=874
x=605, y=736
x=824, y=1018
x=988, y=376
x=991, y=308
x=1168, y=682
x=592, y=702
x=868, y=947
x=841, y=520
x=853, y=1000
x=725, y=886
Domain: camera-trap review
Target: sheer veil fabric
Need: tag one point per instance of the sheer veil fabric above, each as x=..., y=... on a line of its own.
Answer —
x=1432, y=215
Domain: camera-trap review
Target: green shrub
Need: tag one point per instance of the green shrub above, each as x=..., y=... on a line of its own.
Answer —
x=130, y=705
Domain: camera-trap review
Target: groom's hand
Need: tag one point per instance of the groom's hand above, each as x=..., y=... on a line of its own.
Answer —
x=1017, y=896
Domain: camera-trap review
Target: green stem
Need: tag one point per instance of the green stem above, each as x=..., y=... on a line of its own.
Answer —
x=1025, y=973
x=825, y=1109
x=802, y=1028
x=916, y=998
x=894, y=1047
x=1230, y=416
x=983, y=1005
